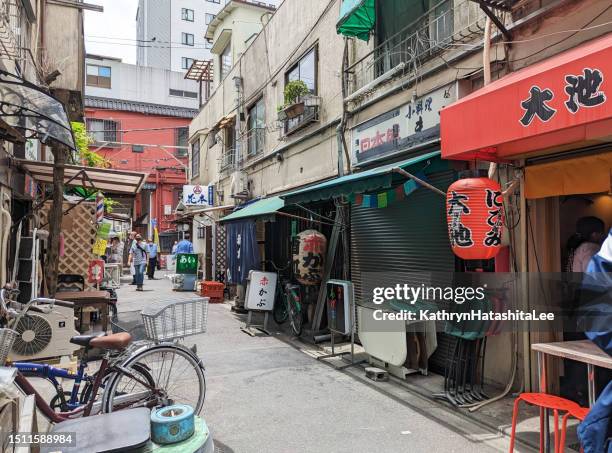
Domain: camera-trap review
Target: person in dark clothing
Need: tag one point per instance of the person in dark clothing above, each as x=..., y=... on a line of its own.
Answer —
x=152, y=251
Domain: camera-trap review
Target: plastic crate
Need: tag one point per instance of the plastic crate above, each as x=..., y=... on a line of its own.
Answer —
x=211, y=289
x=177, y=320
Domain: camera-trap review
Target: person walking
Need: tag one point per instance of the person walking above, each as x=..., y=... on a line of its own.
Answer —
x=152, y=251
x=185, y=246
x=131, y=242
x=138, y=257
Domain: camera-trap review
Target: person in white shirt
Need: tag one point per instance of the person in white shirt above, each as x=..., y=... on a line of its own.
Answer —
x=585, y=243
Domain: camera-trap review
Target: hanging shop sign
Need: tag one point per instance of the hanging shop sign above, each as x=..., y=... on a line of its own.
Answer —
x=197, y=195
x=474, y=209
x=403, y=128
x=95, y=271
x=309, y=257
x=261, y=291
x=559, y=101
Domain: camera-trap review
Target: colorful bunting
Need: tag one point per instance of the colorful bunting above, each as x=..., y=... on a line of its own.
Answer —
x=384, y=199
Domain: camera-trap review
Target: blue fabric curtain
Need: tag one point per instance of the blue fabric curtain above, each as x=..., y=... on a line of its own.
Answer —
x=242, y=250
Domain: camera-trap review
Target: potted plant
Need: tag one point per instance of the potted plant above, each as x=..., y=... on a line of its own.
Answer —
x=294, y=104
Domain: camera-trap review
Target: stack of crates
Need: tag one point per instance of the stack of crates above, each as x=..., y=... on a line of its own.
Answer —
x=213, y=290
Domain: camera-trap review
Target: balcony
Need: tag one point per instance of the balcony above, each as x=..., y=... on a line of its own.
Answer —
x=448, y=23
x=300, y=114
x=227, y=160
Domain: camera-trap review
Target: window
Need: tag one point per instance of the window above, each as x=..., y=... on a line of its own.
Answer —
x=195, y=159
x=181, y=135
x=103, y=130
x=226, y=61
x=98, y=76
x=187, y=14
x=186, y=62
x=305, y=70
x=201, y=232
x=207, y=44
x=137, y=149
x=256, y=124
x=187, y=39
x=209, y=18
x=213, y=1
x=183, y=94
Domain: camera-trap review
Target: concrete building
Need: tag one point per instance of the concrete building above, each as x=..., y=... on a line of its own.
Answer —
x=172, y=32
x=413, y=62
x=139, y=117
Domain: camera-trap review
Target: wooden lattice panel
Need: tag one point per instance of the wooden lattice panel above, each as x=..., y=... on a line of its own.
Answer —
x=79, y=229
x=220, y=248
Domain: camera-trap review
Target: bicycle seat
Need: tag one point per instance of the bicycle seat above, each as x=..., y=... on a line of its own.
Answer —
x=85, y=340
x=114, y=341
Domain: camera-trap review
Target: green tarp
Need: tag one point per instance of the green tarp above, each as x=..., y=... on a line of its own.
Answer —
x=266, y=207
x=357, y=18
x=377, y=178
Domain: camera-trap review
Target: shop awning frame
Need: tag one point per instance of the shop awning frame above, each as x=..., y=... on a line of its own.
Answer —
x=106, y=180
x=34, y=112
x=265, y=208
x=382, y=177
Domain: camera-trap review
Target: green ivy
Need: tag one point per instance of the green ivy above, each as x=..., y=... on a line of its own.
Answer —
x=84, y=154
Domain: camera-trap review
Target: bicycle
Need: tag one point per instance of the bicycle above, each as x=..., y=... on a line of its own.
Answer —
x=131, y=375
x=287, y=302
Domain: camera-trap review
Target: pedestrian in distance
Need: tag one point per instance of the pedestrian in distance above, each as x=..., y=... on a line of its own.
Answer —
x=132, y=241
x=152, y=251
x=138, y=257
x=185, y=246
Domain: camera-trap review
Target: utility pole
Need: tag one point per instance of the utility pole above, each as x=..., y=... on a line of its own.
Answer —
x=55, y=218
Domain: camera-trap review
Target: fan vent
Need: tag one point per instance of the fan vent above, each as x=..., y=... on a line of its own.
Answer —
x=34, y=335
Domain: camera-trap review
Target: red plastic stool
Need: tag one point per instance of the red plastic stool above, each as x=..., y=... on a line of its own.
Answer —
x=580, y=413
x=543, y=401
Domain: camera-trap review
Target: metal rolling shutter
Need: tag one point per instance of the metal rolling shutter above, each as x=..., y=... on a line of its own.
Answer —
x=407, y=236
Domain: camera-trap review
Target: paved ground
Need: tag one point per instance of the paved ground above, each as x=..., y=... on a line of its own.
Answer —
x=265, y=396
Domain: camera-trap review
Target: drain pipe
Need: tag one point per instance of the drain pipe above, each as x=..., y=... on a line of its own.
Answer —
x=6, y=228
x=342, y=148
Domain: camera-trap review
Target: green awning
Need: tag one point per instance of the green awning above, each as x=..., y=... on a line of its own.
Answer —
x=262, y=208
x=377, y=178
x=357, y=18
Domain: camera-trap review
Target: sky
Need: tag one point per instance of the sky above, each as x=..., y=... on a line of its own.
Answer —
x=113, y=32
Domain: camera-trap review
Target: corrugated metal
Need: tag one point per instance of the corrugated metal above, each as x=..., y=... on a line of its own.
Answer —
x=406, y=237
x=139, y=107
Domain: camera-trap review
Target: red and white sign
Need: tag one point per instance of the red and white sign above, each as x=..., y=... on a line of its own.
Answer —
x=565, y=99
x=95, y=271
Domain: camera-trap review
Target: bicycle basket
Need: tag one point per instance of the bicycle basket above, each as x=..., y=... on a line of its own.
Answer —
x=131, y=322
x=177, y=320
x=7, y=338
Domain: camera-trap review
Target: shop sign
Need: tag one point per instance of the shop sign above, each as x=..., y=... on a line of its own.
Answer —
x=261, y=291
x=95, y=271
x=403, y=128
x=149, y=186
x=196, y=195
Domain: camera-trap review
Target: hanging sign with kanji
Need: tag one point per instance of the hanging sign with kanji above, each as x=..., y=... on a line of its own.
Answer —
x=95, y=271
x=99, y=247
x=261, y=291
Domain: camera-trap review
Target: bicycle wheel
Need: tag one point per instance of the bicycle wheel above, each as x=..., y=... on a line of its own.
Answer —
x=177, y=374
x=88, y=387
x=280, y=313
x=296, y=317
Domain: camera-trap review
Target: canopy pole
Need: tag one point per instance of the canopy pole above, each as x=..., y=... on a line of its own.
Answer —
x=403, y=172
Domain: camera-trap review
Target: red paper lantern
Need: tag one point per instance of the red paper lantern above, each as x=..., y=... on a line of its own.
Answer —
x=475, y=215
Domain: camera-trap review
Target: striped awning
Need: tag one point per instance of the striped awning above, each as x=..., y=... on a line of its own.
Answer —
x=105, y=180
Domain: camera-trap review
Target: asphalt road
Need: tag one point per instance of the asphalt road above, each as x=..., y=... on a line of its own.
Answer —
x=265, y=396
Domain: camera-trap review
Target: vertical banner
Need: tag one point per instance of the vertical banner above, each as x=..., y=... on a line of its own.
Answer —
x=99, y=207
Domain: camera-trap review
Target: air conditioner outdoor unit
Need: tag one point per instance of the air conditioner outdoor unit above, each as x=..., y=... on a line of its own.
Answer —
x=239, y=184
x=44, y=335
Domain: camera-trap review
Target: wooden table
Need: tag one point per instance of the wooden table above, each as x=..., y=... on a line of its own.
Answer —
x=81, y=299
x=584, y=351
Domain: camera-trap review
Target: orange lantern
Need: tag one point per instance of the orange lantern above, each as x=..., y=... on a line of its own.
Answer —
x=475, y=215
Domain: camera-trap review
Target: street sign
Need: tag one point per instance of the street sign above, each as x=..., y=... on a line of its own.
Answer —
x=261, y=291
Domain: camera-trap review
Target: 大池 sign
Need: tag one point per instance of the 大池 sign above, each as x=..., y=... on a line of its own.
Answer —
x=402, y=128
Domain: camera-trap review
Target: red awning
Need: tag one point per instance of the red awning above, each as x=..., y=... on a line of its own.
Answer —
x=566, y=99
